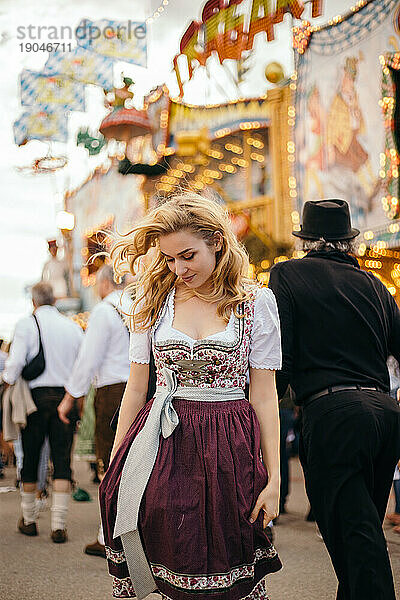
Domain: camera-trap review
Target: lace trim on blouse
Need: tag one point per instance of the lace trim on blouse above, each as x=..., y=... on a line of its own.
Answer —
x=265, y=348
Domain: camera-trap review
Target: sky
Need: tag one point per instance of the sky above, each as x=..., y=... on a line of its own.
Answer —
x=29, y=203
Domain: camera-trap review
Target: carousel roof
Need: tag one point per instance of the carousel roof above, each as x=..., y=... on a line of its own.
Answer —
x=125, y=123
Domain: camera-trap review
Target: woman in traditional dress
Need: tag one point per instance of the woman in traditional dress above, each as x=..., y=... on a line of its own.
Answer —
x=188, y=495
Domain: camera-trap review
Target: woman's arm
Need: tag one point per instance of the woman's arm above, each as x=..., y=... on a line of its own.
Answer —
x=133, y=400
x=263, y=398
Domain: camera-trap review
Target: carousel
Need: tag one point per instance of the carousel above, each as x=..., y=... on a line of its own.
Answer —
x=241, y=152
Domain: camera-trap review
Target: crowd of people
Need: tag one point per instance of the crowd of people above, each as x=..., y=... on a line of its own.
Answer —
x=188, y=364
x=73, y=361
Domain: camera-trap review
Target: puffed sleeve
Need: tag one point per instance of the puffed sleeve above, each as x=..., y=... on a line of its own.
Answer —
x=265, y=347
x=140, y=346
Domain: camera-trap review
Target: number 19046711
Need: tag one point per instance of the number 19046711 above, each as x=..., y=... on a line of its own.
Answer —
x=48, y=47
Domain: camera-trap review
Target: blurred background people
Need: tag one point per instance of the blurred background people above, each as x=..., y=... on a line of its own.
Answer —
x=14, y=448
x=394, y=518
x=394, y=375
x=55, y=272
x=3, y=355
x=286, y=418
x=43, y=468
x=104, y=362
x=61, y=339
x=3, y=447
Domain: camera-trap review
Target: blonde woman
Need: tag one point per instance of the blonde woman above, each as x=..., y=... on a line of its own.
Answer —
x=187, y=497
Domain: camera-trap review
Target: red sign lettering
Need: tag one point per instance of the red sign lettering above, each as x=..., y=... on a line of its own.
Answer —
x=223, y=28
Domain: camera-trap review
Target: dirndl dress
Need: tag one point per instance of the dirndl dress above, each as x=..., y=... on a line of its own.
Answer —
x=189, y=512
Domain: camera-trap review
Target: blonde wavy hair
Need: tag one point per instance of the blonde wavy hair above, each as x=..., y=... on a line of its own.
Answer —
x=201, y=216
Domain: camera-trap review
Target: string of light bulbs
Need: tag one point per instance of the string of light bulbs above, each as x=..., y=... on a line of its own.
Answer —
x=157, y=13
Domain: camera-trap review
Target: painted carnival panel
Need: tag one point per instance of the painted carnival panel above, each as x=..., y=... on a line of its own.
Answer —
x=340, y=131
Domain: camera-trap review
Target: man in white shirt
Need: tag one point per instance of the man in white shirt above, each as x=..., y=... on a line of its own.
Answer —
x=55, y=272
x=61, y=340
x=104, y=361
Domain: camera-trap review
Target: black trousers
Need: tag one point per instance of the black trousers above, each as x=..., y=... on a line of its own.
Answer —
x=286, y=420
x=45, y=421
x=350, y=443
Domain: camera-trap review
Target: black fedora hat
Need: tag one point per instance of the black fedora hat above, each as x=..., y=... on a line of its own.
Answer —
x=328, y=219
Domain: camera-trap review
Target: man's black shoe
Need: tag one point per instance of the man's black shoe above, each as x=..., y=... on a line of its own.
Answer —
x=30, y=529
x=95, y=549
x=59, y=536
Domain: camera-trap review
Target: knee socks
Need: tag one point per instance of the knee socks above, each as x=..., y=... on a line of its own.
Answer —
x=59, y=509
x=28, y=506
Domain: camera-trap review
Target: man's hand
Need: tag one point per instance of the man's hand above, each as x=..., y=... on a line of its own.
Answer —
x=65, y=407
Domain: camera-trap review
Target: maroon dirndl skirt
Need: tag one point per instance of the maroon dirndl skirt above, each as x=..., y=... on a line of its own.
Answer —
x=194, y=515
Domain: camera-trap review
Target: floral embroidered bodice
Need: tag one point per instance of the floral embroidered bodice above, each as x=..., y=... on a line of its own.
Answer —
x=219, y=360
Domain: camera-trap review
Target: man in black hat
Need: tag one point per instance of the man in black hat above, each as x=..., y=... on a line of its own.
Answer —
x=339, y=325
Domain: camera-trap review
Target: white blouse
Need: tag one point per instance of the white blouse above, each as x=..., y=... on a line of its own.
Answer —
x=265, y=347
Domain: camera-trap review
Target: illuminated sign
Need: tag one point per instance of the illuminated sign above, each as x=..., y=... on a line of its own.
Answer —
x=226, y=31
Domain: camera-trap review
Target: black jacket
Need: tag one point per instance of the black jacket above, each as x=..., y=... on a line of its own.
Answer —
x=339, y=324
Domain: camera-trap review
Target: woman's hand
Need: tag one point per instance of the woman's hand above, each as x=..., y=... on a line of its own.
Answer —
x=268, y=501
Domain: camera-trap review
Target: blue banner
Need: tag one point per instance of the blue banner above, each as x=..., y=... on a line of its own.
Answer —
x=82, y=65
x=40, y=124
x=51, y=92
